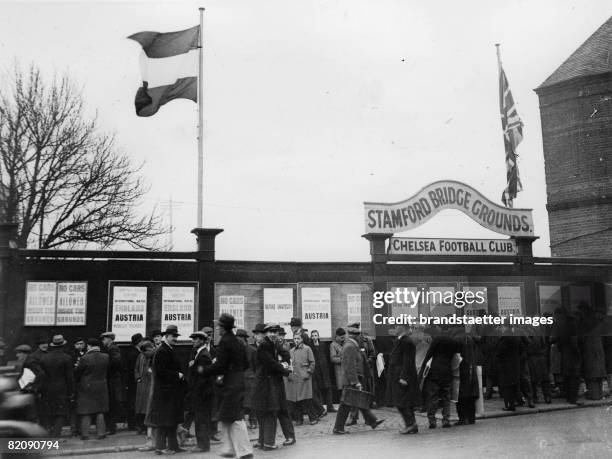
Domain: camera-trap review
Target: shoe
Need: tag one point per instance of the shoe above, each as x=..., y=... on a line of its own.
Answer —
x=331, y=409
x=352, y=422
x=471, y=421
x=577, y=403
x=256, y=445
x=270, y=448
x=167, y=452
x=144, y=449
x=531, y=405
x=410, y=430
x=547, y=399
x=197, y=449
x=460, y=422
x=299, y=423
x=340, y=432
x=159, y=452
x=432, y=425
x=314, y=421
x=446, y=424
x=179, y=450
x=84, y=438
x=510, y=408
x=215, y=439
x=289, y=442
x=101, y=437
x=226, y=455
x=247, y=456
x=376, y=423
x=323, y=413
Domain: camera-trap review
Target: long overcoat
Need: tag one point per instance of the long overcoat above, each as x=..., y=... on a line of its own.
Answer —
x=353, y=366
x=200, y=385
x=142, y=376
x=441, y=352
x=92, y=389
x=116, y=381
x=537, y=359
x=231, y=363
x=468, y=377
x=607, y=344
x=508, y=355
x=591, y=347
x=321, y=377
x=58, y=384
x=335, y=357
x=168, y=388
x=299, y=381
x=402, y=366
x=249, y=376
x=269, y=393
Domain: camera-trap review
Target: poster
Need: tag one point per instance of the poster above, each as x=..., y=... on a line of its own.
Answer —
x=550, y=298
x=129, y=312
x=353, y=304
x=509, y=301
x=477, y=307
x=234, y=305
x=178, y=308
x=71, y=303
x=278, y=305
x=441, y=301
x=316, y=310
x=40, y=303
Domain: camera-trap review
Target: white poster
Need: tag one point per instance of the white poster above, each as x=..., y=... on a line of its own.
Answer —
x=178, y=308
x=278, y=305
x=40, y=303
x=234, y=305
x=353, y=304
x=550, y=298
x=71, y=303
x=129, y=312
x=316, y=310
x=474, y=304
x=509, y=301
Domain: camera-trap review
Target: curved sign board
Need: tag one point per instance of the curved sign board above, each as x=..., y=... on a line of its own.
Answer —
x=389, y=218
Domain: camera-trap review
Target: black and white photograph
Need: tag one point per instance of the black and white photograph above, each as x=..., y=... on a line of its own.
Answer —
x=306, y=228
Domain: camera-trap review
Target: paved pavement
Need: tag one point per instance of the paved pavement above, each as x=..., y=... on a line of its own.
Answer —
x=129, y=441
x=558, y=434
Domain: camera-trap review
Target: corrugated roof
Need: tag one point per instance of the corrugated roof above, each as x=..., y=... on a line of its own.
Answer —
x=593, y=57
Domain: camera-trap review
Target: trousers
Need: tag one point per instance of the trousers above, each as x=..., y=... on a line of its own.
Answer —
x=235, y=439
x=267, y=427
x=86, y=424
x=165, y=438
x=407, y=414
x=202, y=429
x=466, y=409
x=436, y=392
x=343, y=412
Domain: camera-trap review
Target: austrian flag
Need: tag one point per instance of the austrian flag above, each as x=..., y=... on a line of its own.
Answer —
x=169, y=66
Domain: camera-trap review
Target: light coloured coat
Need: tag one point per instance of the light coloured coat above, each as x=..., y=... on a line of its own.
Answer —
x=299, y=382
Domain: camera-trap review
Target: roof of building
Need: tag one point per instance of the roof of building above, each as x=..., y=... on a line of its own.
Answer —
x=593, y=57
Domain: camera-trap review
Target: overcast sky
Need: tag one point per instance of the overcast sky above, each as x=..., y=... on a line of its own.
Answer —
x=313, y=107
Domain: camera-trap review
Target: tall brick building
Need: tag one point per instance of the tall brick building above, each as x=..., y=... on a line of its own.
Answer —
x=576, y=113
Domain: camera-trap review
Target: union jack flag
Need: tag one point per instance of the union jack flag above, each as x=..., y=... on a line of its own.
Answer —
x=513, y=134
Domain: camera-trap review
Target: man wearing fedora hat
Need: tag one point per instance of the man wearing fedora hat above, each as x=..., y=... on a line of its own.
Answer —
x=166, y=411
x=296, y=325
x=58, y=388
x=116, y=389
x=249, y=378
x=229, y=371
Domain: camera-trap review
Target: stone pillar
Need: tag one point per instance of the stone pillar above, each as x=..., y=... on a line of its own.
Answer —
x=8, y=233
x=379, y=258
x=526, y=270
x=206, y=274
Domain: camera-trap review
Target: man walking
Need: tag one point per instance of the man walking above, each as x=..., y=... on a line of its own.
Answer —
x=116, y=393
x=353, y=376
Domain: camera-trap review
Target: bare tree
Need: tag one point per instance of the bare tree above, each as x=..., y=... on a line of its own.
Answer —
x=61, y=180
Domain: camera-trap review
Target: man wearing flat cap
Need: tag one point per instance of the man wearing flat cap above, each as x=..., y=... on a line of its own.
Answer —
x=168, y=393
x=58, y=388
x=229, y=371
x=297, y=328
x=116, y=389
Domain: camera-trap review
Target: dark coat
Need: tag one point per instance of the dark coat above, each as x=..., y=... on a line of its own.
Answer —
x=143, y=375
x=249, y=376
x=441, y=351
x=537, y=359
x=565, y=336
x=200, y=386
x=58, y=386
x=468, y=377
x=508, y=360
x=270, y=392
x=92, y=390
x=130, y=355
x=321, y=375
x=353, y=367
x=115, y=377
x=591, y=347
x=335, y=356
x=607, y=344
x=402, y=366
x=168, y=388
x=231, y=363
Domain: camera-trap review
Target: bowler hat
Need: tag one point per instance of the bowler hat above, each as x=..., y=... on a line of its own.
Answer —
x=227, y=321
x=23, y=348
x=271, y=327
x=295, y=322
x=352, y=329
x=281, y=331
x=172, y=330
x=155, y=333
x=93, y=342
x=208, y=330
x=137, y=338
x=199, y=334
x=242, y=332
x=57, y=341
x=110, y=335
x=259, y=328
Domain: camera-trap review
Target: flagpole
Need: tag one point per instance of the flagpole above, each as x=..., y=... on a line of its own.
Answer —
x=201, y=122
x=499, y=64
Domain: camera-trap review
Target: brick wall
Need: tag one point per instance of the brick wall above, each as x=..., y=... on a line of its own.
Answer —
x=577, y=138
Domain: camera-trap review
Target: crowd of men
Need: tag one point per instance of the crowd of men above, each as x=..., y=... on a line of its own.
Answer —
x=260, y=380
